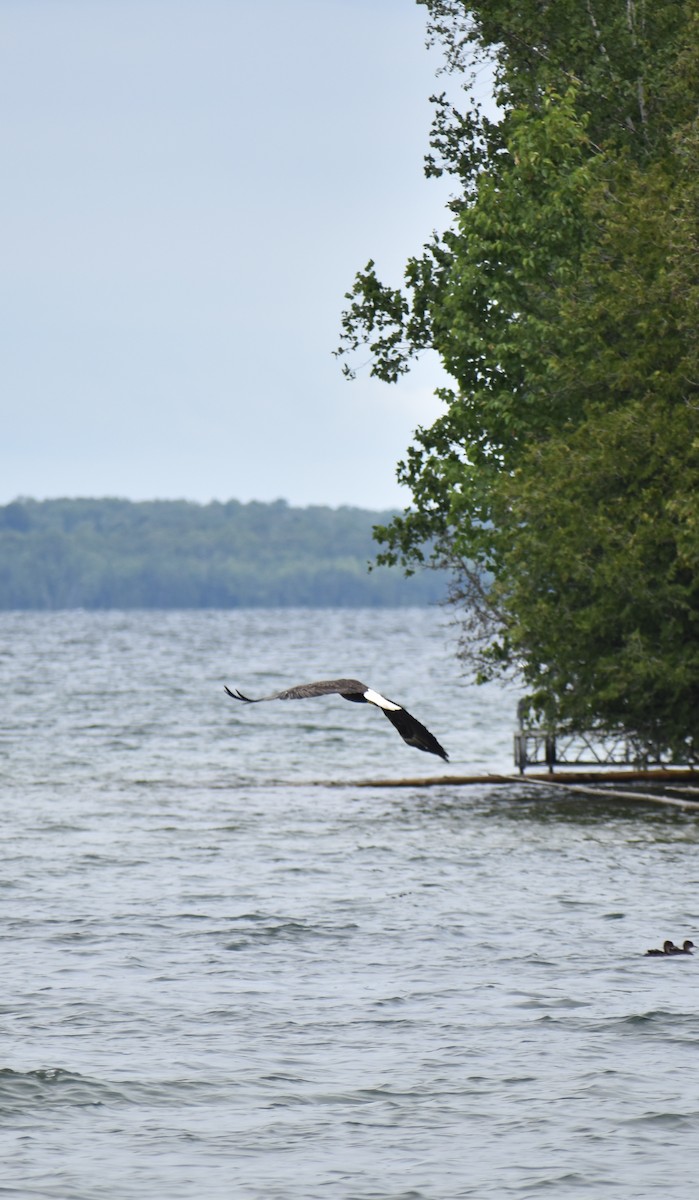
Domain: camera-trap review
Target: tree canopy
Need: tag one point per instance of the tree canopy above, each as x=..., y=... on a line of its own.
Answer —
x=559, y=485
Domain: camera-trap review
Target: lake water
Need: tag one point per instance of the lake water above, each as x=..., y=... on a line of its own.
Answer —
x=224, y=978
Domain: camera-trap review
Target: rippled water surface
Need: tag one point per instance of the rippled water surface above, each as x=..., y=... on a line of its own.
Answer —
x=231, y=971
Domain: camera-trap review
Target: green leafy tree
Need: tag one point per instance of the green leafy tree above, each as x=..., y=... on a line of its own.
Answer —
x=562, y=302
x=599, y=593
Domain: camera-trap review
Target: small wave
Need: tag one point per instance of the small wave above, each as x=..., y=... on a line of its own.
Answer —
x=656, y=1024
x=655, y=1016
x=257, y=929
x=281, y=931
x=667, y=1120
x=55, y=1087
x=52, y=1087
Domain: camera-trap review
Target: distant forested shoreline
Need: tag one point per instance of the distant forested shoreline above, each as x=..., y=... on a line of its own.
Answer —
x=112, y=553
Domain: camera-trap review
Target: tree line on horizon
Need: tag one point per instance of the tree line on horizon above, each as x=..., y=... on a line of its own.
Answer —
x=563, y=301
x=113, y=553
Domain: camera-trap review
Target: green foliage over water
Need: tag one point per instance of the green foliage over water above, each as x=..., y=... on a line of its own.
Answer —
x=563, y=301
x=110, y=553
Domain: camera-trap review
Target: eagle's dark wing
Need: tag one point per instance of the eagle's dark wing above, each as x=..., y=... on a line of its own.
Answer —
x=414, y=733
x=302, y=691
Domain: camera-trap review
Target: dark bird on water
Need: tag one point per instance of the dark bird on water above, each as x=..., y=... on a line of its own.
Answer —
x=409, y=729
x=668, y=948
x=671, y=948
x=685, y=948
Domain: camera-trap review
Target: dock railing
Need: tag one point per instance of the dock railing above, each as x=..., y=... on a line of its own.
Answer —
x=535, y=747
x=545, y=746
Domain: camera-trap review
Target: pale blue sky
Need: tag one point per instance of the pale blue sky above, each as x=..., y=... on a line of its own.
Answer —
x=189, y=187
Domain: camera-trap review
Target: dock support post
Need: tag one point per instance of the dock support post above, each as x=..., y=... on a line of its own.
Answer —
x=550, y=751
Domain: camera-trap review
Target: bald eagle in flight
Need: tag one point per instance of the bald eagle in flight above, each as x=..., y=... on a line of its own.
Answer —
x=408, y=727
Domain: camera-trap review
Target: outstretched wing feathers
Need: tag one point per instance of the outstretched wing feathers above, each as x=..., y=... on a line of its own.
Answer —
x=302, y=691
x=324, y=687
x=410, y=729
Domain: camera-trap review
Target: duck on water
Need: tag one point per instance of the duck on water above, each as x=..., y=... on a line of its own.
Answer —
x=669, y=948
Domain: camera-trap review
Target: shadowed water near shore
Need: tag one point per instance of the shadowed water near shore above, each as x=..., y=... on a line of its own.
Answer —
x=223, y=980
